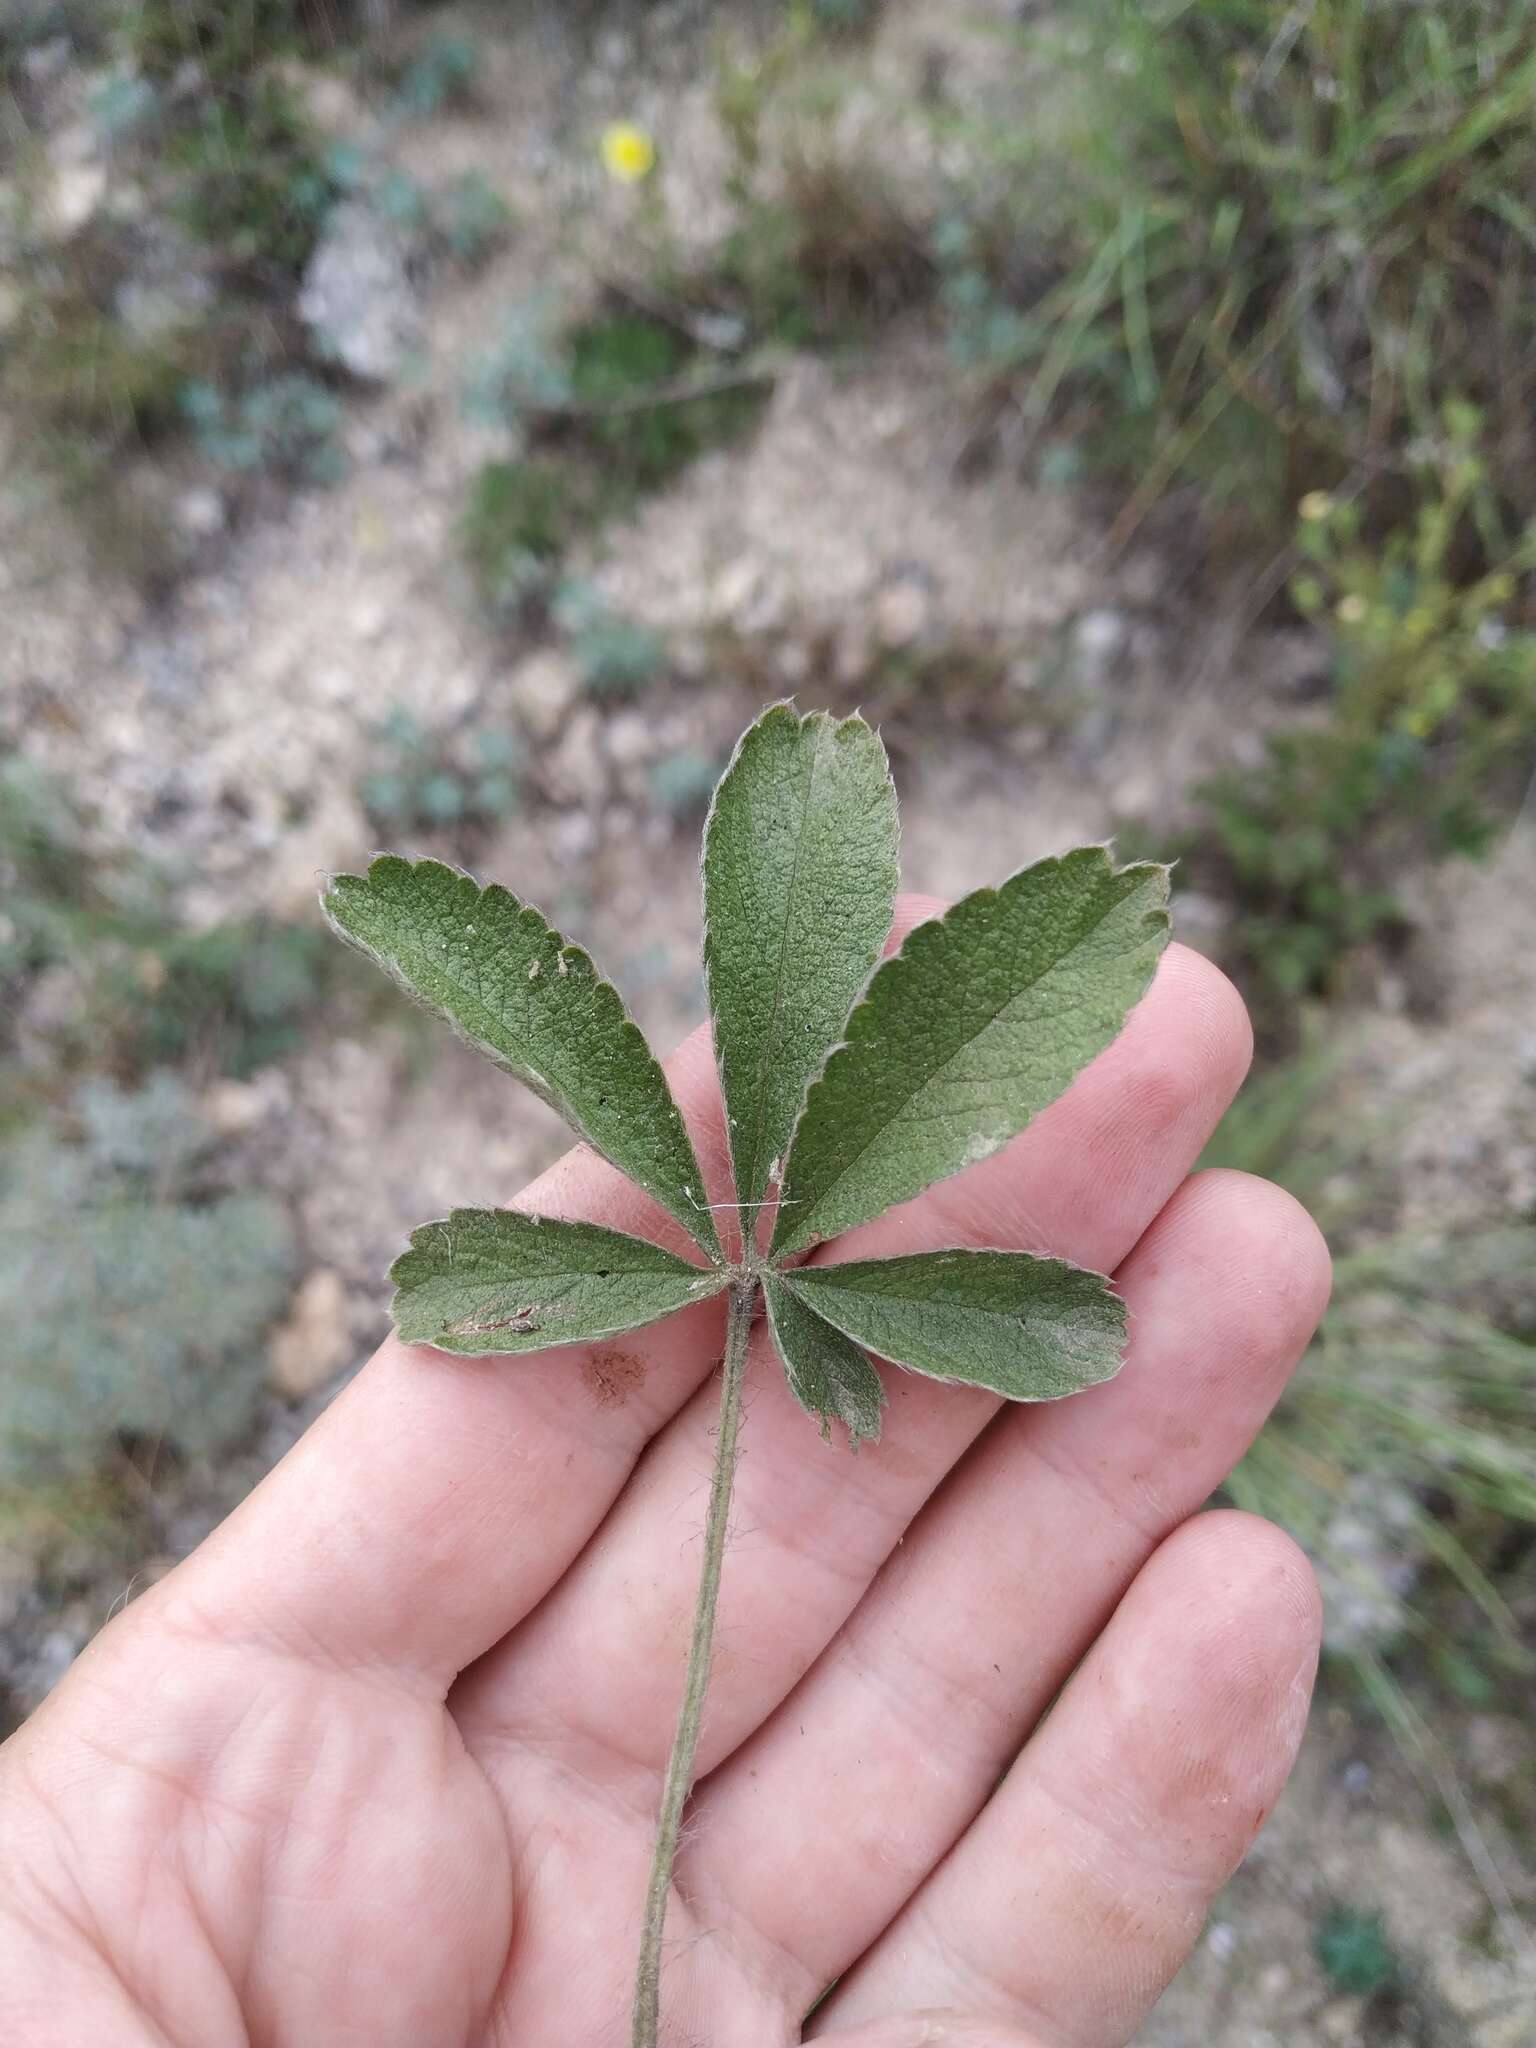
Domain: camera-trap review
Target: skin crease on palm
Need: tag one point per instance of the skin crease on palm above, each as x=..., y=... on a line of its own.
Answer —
x=378, y=1764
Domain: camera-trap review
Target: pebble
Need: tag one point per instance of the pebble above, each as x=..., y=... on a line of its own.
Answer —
x=75, y=196
x=55, y=1653
x=575, y=772
x=1341, y=2021
x=1100, y=635
x=632, y=737
x=315, y=1341
x=1221, y=1939
x=357, y=297
x=200, y=512
x=902, y=611
x=573, y=834
x=234, y=1107
x=544, y=687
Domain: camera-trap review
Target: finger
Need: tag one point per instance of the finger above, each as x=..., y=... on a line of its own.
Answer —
x=937, y=2030
x=1074, y=1898
x=818, y=1829
x=812, y=1523
x=438, y=1499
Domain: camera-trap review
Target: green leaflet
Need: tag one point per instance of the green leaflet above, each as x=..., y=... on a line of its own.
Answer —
x=981, y=1019
x=799, y=886
x=496, y=1280
x=1026, y=1327
x=826, y=1374
x=516, y=991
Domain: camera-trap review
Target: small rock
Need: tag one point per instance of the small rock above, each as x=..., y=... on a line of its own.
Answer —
x=1202, y=920
x=1099, y=636
x=200, y=512
x=544, y=688
x=234, y=1107
x=903, y=610
x=1221, y=1939
x=794, y=660
x=615, y=51
x=1294, y=662
x=53, y=1656
x=369, y=619
x=329, y=838
x=56, y=1002
x=1356, y=1777
x=1367, y=1565
x=1508, y=2027
x=632, y=737
x=573, y=834
x=1341, y=2021
x=575, y=772
x=737, y=587
x=169, y=288
x=1497, y=1749
x=328, y=99
x=358, y=299
x=315, y=1341
x=46, y=63
x=75, y=196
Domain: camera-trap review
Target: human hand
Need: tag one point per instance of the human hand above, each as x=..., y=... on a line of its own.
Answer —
x=379, y=1763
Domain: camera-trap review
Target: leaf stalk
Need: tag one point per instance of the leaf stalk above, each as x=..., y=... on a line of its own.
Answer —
x=740, y=1305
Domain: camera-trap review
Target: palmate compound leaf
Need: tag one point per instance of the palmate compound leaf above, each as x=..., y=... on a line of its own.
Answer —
x=800, y=871
x=1031, y=1329
x=485, y=1280
x=982, y=1018
x=511, y=986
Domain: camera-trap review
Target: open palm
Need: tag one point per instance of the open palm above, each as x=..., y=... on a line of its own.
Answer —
x=379, y=1763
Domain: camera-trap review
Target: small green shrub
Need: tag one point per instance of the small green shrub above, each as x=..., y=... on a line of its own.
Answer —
x=90, y=381
x=223, y=37
x=1430, y=730
x=227, y=999
x=822, y=246
x=80, y=381
x=439, y=76
x=60, y=899
x=430, y=781
x=231, y=998
x=250, y=177
x=516, y=525
x=843, y=17
x=616, y=656
x=639, y=408
x=1403, y=1454
x=524, y=371
x=1354, y=1952
x=470, y=217
x=681, y=783
x=228, y=39
x=608, y=410
x=25, y=23
x=1260, y=251
x=122, y=106
x=285, y=426
x=148, y=1326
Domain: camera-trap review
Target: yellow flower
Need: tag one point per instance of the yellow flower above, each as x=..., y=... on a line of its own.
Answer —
x=1352, y=609
x=1315, y=505
x=628, y=152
